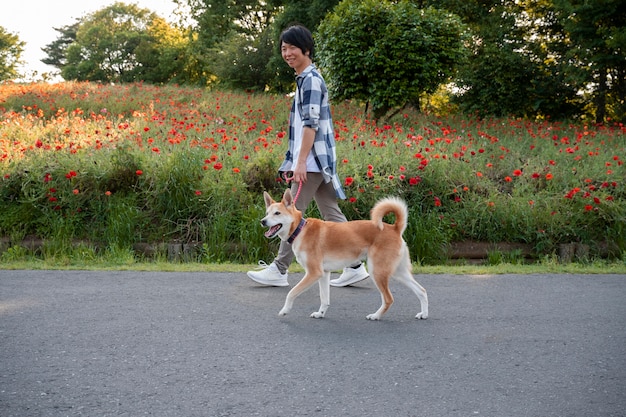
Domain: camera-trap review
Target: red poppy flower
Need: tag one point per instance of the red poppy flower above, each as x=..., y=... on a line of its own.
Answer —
x=415, y=180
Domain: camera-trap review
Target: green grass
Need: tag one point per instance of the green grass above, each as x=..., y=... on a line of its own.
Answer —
x=548, y=266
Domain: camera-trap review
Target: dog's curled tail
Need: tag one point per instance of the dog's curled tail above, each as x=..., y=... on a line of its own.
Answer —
x=393, y=205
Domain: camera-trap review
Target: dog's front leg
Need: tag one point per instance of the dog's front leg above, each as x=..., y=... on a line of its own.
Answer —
x=324, y=296
x=308, y=280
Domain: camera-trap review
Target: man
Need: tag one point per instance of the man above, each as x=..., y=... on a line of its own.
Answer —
x=310, y=159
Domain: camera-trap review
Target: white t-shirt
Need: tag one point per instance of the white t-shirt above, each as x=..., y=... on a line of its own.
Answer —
x=311, y=165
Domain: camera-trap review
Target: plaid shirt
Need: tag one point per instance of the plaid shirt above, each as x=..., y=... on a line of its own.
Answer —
x=311, y=103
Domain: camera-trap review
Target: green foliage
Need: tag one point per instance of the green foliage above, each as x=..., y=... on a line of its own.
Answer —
x=499, y=81
x=120, y=43
x=164, y=55
x=57, y=49
x=11, y=49
x=428, y=235
x=512, y=70
x=534, y=59
x=241, y=63
x=230, y=41
x=122, y=223
x=596, y=44
x=388, y=53
x=14, y=253
x=497, y=257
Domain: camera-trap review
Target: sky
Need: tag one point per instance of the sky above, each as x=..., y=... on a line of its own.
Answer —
x=33, y=21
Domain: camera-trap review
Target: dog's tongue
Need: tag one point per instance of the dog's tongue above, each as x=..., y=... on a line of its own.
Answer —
x=272, y=230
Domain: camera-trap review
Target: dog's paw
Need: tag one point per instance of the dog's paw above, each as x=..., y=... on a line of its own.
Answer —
x=317, y=315
x=283, y=312
x=373, y=317
x=421, y=316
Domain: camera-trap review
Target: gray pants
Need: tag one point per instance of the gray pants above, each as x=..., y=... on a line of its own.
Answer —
x=326, y=200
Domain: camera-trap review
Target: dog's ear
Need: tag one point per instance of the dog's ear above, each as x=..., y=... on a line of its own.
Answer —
x=287, y=198
x=268, y=199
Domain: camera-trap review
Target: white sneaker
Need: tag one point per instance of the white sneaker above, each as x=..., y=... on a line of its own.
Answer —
x=350, y=276
x=269, y=275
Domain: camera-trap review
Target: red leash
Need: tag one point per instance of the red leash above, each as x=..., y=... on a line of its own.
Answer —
x=297, y=193
x=299, y=189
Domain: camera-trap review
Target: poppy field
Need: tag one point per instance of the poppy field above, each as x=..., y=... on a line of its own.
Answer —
x=119, y=166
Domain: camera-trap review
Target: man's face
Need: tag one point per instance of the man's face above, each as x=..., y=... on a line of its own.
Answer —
x=294, y=57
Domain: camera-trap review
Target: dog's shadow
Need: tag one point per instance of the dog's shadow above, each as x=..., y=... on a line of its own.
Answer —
x=348, y=307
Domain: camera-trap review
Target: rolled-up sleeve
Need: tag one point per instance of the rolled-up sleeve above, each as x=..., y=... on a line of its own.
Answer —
x=311, y=102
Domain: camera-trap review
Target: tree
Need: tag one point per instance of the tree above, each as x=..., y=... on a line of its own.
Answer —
x=121, y=43
x=239, y=60
x=11, y=49
x=164, y=55
x=57, y=50
x=512, y=69
x=105, y=45
x=227, y=39
x=388, y=53
x=596, y=40
x=535, y=57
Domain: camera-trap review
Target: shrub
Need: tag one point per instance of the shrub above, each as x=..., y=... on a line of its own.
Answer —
x=388, y=53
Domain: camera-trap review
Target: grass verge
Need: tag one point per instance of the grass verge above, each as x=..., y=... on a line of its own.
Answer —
x=546, y=266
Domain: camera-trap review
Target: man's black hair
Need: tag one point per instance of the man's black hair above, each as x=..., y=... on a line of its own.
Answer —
x=298, y=36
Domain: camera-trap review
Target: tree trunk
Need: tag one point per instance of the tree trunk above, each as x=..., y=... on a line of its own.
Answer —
x=601, y=97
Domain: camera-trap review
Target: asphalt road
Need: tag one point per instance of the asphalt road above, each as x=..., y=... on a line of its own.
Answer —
x=75, y=343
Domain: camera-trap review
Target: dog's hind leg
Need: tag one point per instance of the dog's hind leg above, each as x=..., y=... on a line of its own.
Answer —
x=404, y=275
x=380, y=276
x=324, y=296
x=304, y=284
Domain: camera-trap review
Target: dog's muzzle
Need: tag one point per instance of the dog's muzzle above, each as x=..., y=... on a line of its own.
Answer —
x=273, y=230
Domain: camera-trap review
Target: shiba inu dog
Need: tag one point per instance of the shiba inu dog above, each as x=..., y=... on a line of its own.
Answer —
x=321, y=247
